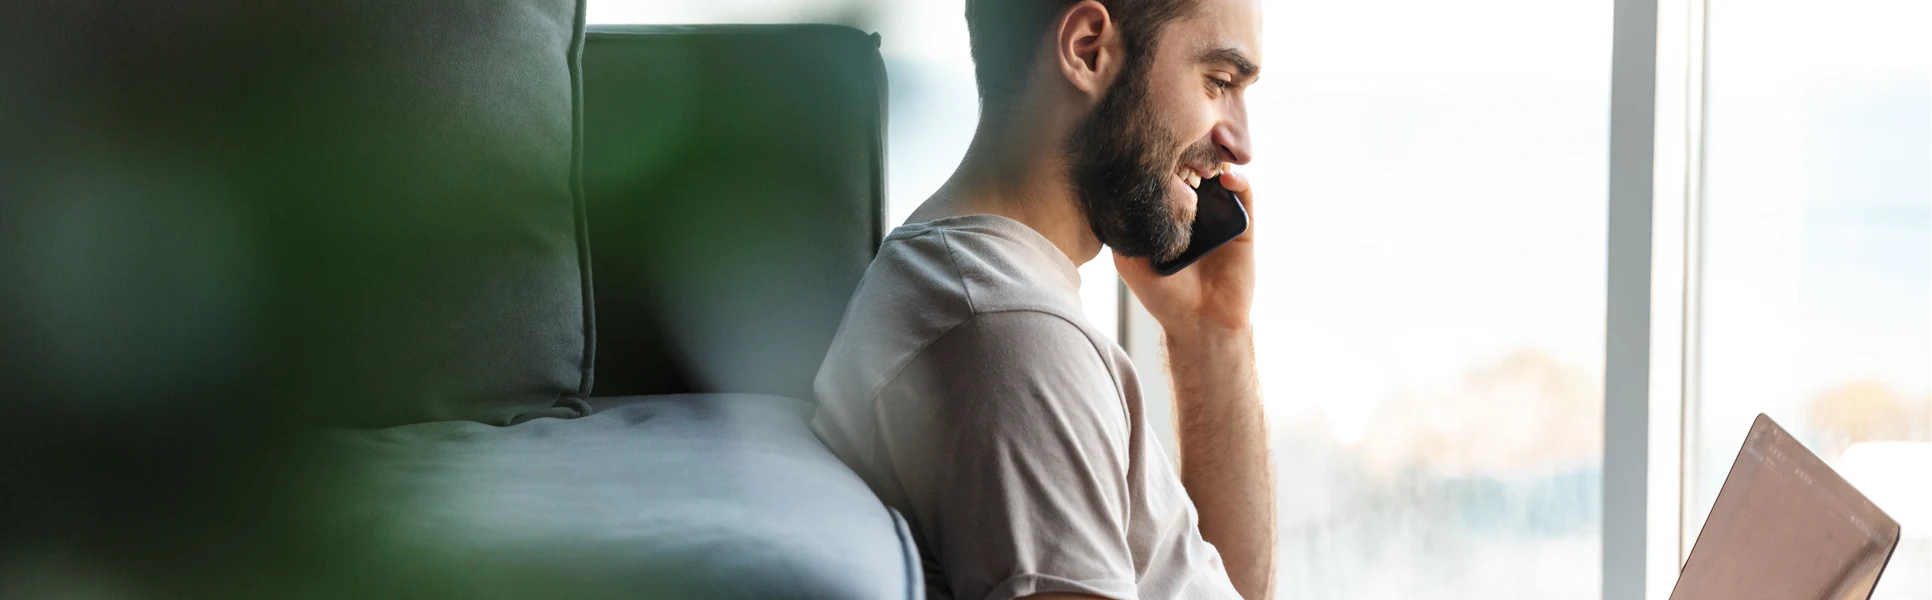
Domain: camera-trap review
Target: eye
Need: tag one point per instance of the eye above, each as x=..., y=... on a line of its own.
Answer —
x=1219, y=84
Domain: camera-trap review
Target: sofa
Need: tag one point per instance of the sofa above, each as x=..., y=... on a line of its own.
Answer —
x=437, y=298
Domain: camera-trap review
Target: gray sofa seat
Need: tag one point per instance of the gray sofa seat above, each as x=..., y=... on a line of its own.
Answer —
x=712, y=495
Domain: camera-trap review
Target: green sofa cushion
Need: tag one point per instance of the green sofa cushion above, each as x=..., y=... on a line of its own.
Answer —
x=352, y=212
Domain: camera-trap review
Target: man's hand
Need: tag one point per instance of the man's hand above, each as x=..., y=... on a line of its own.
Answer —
x=1203, y=311
x=1213, y=294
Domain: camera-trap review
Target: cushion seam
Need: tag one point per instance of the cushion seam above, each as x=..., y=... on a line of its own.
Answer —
x=586, y=374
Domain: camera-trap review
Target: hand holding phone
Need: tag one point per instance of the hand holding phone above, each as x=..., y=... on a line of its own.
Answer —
x=1218, y=219
x=1210, y=287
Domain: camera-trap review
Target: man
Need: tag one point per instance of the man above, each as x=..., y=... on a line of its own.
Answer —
x=966, y=388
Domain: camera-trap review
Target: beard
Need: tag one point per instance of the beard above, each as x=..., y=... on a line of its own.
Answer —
x=1122, y=161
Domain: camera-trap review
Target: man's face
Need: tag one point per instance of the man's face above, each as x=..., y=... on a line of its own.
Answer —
x=1169, y=121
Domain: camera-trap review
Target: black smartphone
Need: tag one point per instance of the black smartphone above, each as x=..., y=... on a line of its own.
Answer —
x=1218, y=219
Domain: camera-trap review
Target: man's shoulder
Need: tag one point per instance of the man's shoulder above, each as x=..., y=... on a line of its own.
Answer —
x=1027, y=347
x=1003, y=266
x=929, y=278
x=950, y=311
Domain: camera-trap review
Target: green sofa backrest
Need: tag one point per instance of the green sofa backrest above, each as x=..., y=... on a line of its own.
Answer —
x=734, y=177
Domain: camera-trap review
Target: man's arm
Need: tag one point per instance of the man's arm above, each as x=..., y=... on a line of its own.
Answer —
x=1224, y=451
x=1203, y=311
x=1012, y=451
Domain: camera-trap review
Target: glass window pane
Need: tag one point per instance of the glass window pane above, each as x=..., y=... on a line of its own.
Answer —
x=1817, y=257
x=1431, y=182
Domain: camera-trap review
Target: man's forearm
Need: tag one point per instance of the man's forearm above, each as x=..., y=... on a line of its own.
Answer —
x=1224, y=451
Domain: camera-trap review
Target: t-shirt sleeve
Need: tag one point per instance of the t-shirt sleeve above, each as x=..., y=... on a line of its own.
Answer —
x=1010, y=437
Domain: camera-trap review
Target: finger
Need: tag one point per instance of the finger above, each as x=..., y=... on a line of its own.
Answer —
x=1242, y=188
x=1234, y=182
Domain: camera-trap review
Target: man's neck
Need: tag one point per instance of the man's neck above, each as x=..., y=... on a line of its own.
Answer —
x=1021, y=177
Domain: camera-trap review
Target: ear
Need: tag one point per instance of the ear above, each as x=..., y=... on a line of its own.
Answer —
x=1087, y=47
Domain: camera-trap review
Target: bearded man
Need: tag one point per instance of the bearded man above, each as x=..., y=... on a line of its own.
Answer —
x=966, y=387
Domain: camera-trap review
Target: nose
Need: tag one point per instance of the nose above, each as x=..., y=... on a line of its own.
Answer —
x=1231, y=135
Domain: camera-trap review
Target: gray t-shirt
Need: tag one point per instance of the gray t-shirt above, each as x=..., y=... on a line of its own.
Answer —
x=968, y=391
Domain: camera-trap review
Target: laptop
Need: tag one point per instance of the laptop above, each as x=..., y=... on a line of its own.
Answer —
x=1785, y=526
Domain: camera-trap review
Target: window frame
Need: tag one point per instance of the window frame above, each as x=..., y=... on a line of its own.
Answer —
x=1650, y=401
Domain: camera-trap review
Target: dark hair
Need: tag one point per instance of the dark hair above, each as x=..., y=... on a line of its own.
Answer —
x=1005, y=34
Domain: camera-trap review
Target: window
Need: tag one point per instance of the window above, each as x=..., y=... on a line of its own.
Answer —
x=1816, y=247
x=1430, y=312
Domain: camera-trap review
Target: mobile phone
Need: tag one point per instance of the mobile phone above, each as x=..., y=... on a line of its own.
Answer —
x=1218, y=219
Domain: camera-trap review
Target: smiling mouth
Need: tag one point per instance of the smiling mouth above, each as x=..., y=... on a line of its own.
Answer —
x=1192, y=175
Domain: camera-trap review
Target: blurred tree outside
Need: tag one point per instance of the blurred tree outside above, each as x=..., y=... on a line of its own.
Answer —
x=1866, y=411
x=1525, y=413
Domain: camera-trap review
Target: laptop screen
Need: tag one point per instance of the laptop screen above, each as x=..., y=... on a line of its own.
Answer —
x=1786, y=526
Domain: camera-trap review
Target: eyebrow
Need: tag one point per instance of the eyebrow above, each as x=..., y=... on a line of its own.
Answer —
x=1230, y=57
